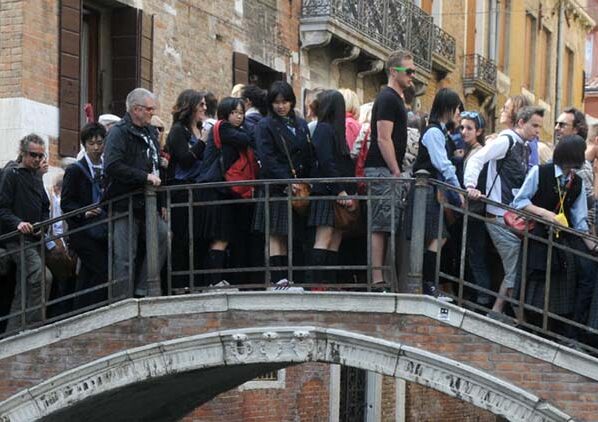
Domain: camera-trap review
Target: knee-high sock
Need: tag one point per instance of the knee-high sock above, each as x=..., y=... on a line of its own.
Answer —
x=332, y=260
x=278, y=261
x=429, y=269
x=215, y=260
x=317, y=258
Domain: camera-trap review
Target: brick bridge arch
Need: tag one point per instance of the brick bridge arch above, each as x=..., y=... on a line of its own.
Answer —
x=190, y=348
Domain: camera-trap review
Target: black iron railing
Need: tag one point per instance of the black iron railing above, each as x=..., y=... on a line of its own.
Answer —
x=444, y=45
x=395, y=24
x=479, y=69
x=181, y=202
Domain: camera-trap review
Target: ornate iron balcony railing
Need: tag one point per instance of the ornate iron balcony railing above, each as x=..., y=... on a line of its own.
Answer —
x=479, y=69
x=444, y=45
x=395, y=24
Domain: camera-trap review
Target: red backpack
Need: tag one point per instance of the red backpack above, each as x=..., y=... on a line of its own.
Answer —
x=245, y=168
x=360, y=163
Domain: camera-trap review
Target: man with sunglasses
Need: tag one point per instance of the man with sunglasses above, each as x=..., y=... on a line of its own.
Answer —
x=131, y=162
x=570, y=122
x=388, y=145
x=23, y=203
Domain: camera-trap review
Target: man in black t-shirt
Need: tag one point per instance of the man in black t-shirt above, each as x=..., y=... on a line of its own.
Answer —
x=387, y=149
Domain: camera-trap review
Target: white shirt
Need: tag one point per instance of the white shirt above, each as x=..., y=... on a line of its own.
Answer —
x=490, y=153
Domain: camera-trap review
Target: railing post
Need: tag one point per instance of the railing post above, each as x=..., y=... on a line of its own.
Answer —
x=418, y=225
x=151, y=245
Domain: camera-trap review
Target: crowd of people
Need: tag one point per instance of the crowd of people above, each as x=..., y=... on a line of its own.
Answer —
x=261, y=134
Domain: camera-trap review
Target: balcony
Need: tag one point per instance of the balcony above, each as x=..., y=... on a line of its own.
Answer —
x=376, y=26
x=480, y=75
x=444, y=50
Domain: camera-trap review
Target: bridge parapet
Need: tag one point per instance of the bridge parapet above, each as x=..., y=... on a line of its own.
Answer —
x=254, y=332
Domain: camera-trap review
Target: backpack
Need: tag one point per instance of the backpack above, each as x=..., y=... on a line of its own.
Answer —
x=244, y=168
x=360, y=162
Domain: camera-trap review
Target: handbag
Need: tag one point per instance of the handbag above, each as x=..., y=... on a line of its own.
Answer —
x=346, y=218
x=518, y=222
x=300, y=190
x=245, y=168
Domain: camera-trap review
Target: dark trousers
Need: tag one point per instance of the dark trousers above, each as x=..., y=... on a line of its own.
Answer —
x=93, y=255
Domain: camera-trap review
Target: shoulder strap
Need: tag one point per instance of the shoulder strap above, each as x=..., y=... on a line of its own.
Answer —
x=85, y=172
x=216, y=134
x=500, y=165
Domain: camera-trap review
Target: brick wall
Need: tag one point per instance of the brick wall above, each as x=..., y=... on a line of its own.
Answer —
x=426, y=405
x=11, y=47
x=305, y=398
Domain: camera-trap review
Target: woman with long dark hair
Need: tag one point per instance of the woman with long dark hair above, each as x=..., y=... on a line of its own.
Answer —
x=219, y=224
x=433, y=155
x=283, y=149
x=186, y=149
x=333, y=159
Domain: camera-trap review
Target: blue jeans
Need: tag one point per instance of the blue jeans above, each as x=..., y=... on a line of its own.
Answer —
x=508, y=247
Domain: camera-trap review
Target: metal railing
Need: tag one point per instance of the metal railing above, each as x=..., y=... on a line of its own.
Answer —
x=480, y=69
x=180, y=204
x=395, y=24
x=444, y=45
x=579, y=331
x=403, y=266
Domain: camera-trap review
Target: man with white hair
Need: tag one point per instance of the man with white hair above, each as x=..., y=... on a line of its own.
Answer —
x=131, y=162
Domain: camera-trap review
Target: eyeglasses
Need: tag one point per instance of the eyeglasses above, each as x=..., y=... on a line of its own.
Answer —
x=39, y=155
x=472, y=115
x=561, y=124
x=409, y=71
x=146, y=108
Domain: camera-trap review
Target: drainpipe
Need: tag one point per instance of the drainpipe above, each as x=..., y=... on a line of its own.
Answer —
x=492, y=32
x=560, y=50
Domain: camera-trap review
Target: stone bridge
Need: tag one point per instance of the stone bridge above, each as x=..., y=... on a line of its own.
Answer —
x=160, y=358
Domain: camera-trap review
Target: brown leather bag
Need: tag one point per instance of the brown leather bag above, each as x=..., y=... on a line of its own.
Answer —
x=346, y=218
x=301, y=190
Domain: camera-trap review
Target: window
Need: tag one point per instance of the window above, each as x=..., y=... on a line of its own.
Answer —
x=248, y=71
x=544, y=64
x=530, y=52
x=504, y=30
x=568, y=76
x=105, y=52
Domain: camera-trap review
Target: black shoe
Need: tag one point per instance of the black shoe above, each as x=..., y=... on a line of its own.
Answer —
x=380, y=288
x=430, y=289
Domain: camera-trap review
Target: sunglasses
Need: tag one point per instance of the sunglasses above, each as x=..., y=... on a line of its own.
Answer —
x=39, y=155
x=472, y=115
x=409, y=71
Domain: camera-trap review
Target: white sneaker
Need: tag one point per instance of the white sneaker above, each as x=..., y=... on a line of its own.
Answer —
x=222, y=286
x=285, y=285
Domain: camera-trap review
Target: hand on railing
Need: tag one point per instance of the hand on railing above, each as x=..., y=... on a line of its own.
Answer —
x=473, y=193
x=25, y=227
x=93, y=213
x=153, y=180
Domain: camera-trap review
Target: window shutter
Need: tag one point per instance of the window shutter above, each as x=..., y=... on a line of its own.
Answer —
x=132, y=54
x=70, y=84
x=240, y=69
x=146, y=52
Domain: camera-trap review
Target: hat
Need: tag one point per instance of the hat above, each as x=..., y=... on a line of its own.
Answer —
x=108, y=119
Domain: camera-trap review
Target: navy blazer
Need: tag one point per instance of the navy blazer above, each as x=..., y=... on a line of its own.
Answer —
x=77, y=191
x=329, y=162
x=269, y=134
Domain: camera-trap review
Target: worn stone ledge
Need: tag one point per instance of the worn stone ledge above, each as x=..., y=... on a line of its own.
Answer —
x=403, y=304
x=68, y=328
